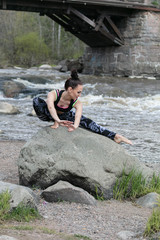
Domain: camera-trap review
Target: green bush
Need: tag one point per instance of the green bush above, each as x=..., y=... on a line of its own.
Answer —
x=30, y=50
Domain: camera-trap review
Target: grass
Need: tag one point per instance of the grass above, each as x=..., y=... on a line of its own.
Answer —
x=20, y=213
x=4, y=205
x=45, y=230
x=23, y=213
x=23, y=228
x=153, y=224
x=133, y=185
x=98, y=196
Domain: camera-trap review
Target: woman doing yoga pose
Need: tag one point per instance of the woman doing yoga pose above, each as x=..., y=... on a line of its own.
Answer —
x=57, y=108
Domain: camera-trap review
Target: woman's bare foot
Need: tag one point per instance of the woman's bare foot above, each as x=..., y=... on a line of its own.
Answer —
x=118, y=139
x=55, y=125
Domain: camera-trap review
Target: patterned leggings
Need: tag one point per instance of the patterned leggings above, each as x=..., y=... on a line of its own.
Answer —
x=43, y=114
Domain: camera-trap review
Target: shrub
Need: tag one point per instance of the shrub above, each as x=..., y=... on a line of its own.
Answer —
x=30, y=50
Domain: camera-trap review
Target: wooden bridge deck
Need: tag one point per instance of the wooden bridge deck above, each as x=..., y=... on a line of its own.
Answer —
x=94, y=22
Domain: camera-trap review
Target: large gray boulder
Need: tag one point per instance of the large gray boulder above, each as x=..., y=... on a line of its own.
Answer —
x=85, y=159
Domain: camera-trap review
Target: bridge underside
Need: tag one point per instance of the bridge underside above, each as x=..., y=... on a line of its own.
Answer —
x=96, y=25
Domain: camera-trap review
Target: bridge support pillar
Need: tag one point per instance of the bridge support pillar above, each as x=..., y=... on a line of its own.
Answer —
x=138, y=56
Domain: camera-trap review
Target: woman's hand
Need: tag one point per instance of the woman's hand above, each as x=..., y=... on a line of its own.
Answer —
x=71, y=128
x=65, y=123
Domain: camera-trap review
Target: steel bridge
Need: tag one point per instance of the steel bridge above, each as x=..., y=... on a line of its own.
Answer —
x=96, y=23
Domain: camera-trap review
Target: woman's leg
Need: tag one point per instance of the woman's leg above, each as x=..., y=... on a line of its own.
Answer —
x=88, y=124
x=41, y=109
x=94, y=127
x=118, y=139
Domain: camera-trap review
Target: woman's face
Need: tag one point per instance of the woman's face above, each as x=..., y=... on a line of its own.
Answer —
x=76, y=92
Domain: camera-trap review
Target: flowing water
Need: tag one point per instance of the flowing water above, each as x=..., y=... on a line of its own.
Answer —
x=128, y=106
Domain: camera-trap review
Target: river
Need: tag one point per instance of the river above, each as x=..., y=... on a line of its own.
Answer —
x=128, y=106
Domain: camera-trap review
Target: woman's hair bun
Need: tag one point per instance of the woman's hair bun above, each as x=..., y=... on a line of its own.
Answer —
x=74, y=81
x=74, y=75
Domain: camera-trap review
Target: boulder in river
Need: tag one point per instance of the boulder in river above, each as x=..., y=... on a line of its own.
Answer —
x=12, y=89
x=7, y=108
x=45, y=66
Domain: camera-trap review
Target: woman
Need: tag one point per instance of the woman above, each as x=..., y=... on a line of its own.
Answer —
x=58, y=107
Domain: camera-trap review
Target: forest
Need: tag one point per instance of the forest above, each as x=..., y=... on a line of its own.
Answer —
x=28, y=39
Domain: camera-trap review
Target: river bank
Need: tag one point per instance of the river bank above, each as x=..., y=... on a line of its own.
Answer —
x=102, y=222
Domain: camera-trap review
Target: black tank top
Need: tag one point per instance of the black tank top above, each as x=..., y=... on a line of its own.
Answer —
x=61, y=109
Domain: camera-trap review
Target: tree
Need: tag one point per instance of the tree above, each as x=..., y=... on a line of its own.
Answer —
x=17, y=41
x=30, y=50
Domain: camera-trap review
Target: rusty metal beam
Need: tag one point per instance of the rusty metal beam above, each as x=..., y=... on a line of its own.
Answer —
x=83, y=17
x=99, y=22
x=100, y=27
x=114, y=27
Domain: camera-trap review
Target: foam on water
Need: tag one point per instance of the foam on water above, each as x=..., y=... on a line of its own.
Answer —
x=148, y=103
x=28, y=84
x=1, y=95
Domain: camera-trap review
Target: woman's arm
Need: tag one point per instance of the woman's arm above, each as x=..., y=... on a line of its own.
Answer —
x=78, y=114
x=50, y=103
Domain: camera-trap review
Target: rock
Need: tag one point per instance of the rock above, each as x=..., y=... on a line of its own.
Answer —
x=18, y=68
x=32, y=114
x=64, y=191
x=75, y=64
x=19, y=194
x=7, y=108
x=68, y=65
x=57, y=67
x=82, y=158
x=5, y=237
x=63, y=64
x=150, y=200
x=12, y=89
x=125, y=235
x=2, y=176
x=45, y=66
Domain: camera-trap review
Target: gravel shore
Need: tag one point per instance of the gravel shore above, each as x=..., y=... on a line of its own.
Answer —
x=102, y=222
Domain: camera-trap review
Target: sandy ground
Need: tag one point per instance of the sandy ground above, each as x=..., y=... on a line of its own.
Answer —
x=70, y=221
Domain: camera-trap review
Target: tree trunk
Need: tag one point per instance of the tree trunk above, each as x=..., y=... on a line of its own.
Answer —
x=59, y=40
